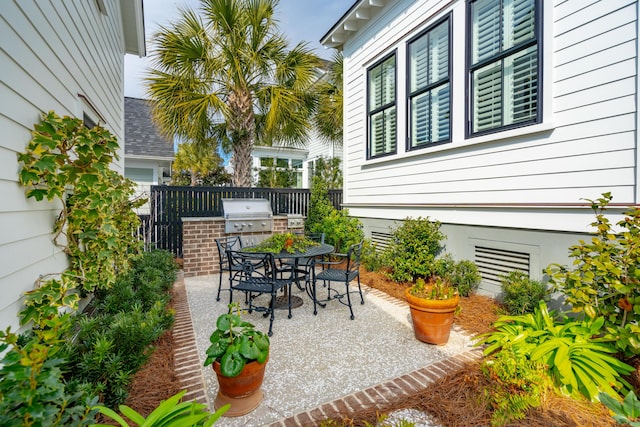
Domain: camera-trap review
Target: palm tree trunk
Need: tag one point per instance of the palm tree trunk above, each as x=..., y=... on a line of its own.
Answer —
x=243, y=128
x=241, y=160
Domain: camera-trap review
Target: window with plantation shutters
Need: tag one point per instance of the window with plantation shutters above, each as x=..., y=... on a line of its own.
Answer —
x=504, y=57
x=382, y=107
x=429, y=86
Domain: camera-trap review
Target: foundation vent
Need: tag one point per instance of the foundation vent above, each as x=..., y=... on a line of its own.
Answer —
x=381, y=240
x=494, y=263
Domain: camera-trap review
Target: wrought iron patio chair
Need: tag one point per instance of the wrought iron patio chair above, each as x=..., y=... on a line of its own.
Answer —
x=333, y=271
x=225, y=244
x=257, y=275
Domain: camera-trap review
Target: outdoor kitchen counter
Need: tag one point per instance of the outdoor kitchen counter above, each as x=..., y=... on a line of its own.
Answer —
x=200, y=254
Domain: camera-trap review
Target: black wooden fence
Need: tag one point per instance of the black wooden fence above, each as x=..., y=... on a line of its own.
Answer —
x=168, y=205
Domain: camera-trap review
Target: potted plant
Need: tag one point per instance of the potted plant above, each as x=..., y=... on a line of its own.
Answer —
x=239, y=354
x=432, y=308
x=289, y=242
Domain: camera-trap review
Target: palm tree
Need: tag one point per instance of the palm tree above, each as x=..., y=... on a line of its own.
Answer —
x=223, y=75
x=328, y=117
x=197, y=160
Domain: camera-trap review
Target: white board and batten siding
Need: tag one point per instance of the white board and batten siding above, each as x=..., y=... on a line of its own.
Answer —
x=585, y=145
x=62, y=56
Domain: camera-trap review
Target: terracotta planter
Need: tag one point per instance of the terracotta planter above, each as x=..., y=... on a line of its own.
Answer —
x=432, y=319
x=241, y=392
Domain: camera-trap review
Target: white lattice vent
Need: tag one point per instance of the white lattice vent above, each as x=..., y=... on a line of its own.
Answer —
x=381, y=240
x=494, y=263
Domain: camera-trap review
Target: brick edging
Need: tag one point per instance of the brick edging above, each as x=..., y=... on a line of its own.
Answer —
x=186, y=360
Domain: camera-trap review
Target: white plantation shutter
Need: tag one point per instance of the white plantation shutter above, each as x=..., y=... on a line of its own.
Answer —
x=429, y=86
x=522, y=85
x=419, y=60
x=439, y=53
x=382, y=115
x=519, y=16
x=420, y=119
x=487, y=93
x=504, y=72
x=440, y=114
x=486, y=30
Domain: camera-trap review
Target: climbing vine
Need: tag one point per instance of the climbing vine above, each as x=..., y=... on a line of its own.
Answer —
x=68, y=162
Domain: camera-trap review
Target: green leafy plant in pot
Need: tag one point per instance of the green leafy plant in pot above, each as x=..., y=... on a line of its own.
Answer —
x=239, y=354
x=432, y=306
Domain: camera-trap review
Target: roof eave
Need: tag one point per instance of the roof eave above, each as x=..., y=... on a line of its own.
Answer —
x=354, y=19
x=133, y=27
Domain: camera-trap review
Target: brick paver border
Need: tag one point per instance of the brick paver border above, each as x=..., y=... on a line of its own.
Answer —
x=186, y=361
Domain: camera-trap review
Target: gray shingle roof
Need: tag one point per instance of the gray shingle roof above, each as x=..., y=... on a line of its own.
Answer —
x=141, y=136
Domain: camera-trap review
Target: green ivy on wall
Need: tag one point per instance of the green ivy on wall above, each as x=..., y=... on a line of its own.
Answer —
x=69, y=162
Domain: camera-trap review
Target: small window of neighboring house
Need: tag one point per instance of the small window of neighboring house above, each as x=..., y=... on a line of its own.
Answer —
x=504, y=64
x=139, y=175
x=88, y=121
x=429, y=86
x=90, y=115
x=381, y=109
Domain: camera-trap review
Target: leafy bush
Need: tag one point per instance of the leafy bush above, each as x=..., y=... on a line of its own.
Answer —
x=521, y=295
x=464, y=276
x=114, y=341
x=371, y=259
x=319, y=206
x=32, y=391
x=413, y=249
x=605, y=281
x=577, y=362
x=171, y=412
x=339, y=228
x=626, y=412
x=517, y=384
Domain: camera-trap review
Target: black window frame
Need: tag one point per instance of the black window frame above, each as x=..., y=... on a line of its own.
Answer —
x=430, y=86
x=383, y=107
x=501, y=56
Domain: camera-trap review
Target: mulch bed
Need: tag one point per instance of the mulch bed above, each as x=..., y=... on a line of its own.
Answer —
x=456, y=400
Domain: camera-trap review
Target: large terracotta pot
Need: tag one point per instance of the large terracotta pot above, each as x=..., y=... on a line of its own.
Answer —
x=241, y=392
x=432, y=319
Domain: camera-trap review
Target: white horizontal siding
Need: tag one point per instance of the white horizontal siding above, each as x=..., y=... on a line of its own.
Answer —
x=587, y=145
x=50, y=51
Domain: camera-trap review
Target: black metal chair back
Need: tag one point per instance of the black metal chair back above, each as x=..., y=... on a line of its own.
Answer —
x=225, y=244
x=333, y=272
x=256, y=274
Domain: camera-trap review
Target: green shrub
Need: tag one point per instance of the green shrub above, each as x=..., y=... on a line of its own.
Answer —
x=340, y=230
x=32, y=390
x=577, y=361
x=413, y=249
x=114, y=341
x=516, y=384
x=605, y=280
x=160, y=261
x=464, y=275
x=520, y=294
x=171, y=412
x=319, y=206
x=371, y=259
x=626, y=412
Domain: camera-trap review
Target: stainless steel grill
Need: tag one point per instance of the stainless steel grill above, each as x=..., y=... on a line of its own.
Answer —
x=247, y=215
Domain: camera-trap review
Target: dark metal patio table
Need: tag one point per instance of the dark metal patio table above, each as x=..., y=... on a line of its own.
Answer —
x=309, y=254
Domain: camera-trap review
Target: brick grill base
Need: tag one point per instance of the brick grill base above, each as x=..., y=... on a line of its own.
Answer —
x=199, y=251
